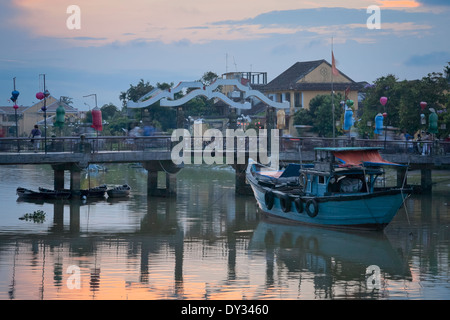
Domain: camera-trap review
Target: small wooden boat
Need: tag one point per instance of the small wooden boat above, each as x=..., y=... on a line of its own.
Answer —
x=119, y=191
x=96, y=192
x=339, y=189
x=43, y=193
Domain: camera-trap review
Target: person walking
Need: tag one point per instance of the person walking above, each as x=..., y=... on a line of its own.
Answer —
x=35, y=136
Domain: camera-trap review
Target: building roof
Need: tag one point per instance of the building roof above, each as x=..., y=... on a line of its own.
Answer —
x=288, y=80
x=51, y=108
x=10, y=110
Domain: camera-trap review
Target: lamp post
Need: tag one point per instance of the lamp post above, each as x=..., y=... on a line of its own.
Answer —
x=40, y=96
x=383, y=101
x=14, y=96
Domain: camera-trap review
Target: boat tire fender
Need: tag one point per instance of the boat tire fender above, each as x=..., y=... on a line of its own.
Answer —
x=285, y=203
x=269, y=199
x=315, y=208
x=298, y=205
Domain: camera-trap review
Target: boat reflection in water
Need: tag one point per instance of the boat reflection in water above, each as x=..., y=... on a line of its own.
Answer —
x=338, y=261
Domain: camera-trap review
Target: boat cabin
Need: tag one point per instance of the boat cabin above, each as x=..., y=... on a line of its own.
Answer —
x=343, y=170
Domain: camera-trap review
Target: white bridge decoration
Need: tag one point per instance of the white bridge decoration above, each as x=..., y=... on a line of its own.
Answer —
x=167, y=97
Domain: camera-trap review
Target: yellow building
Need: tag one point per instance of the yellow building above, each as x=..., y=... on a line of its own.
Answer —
x=34, y=114
x=305, y=80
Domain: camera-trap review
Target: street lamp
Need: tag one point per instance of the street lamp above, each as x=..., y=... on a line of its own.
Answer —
x=40, y=96
x=14, y=96
x=383, y=101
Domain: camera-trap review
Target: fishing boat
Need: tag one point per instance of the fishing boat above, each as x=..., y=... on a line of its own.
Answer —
x=119, y=191
x=341, y=188
x=95, y=192
x=43, y=194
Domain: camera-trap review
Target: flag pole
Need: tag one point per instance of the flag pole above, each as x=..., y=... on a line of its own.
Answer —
x=332, y=93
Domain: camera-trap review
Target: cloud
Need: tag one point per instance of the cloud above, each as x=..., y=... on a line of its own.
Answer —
x=434, y=2
x=429, y=59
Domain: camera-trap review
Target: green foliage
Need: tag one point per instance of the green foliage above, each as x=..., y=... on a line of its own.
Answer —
x=320, y=115
x=404, y=97
x=37, y=216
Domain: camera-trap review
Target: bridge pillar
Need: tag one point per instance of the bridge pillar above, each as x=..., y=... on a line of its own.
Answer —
x=75, y=180
x=161, y=178
x=58, y=179
x=242, y=187
x=426, y=179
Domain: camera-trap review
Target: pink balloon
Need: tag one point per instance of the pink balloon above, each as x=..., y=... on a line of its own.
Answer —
x=383, y=100
x=423, y=105
x=40, y=95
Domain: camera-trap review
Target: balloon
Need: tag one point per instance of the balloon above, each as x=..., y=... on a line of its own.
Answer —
x=350, y=103
x=16, y=106
x=383, y=100
x=40, y=95
x=46, y=93
x=384, y=114
x=423, y=104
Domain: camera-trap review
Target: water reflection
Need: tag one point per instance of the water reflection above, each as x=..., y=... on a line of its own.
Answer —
x=208, y=243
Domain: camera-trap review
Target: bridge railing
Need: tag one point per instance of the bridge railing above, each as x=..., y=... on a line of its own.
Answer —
x=88, y=144
x=426, y=147
x=164, y=143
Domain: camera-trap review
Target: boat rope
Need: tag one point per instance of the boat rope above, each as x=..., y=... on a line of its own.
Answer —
x=367, y=190
x=407, y=196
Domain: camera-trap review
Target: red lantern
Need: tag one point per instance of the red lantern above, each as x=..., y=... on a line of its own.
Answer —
x=40, y=95
x=423, y=105
x=97, y=119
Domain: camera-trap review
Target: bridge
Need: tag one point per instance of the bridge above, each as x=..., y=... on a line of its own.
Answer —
x=154, y=152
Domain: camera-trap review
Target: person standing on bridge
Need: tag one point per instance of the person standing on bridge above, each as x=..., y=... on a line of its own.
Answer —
x=35, y=136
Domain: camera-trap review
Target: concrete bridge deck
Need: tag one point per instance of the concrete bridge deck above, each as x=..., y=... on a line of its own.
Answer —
x=74, y=154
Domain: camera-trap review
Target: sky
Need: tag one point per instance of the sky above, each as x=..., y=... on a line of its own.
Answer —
x=102, y=47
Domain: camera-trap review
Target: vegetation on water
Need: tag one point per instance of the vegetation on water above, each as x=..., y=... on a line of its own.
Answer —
x=37, y=216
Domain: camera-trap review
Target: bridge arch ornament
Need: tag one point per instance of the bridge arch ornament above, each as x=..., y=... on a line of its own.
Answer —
x=167, y=98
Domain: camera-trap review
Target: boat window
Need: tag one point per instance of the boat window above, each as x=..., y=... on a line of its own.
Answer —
x=321, y=180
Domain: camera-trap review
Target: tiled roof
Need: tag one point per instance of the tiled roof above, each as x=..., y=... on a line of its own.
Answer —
x=10, y=109
x=289, y=78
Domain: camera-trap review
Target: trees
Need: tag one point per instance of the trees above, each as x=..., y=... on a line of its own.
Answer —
x=404, y=97
x=320, y=114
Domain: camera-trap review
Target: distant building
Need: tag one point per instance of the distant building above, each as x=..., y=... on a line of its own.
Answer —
x=29, y=116
x=305, y=80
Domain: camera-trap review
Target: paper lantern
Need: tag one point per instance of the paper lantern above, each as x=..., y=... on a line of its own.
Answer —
x=40, y=95
x=378, y=124
x=383, y=100
x=14, y=95
x=348, y=119
x=60, y=116
x=97, y=119
x=433, y=123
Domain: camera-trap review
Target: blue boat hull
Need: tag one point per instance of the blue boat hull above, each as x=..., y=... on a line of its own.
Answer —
x=364, y=211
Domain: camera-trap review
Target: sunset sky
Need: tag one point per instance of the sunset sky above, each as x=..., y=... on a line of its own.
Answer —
x=120, y=42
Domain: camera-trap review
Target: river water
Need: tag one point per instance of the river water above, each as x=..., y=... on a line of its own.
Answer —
x=209, y=243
